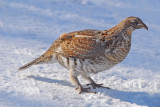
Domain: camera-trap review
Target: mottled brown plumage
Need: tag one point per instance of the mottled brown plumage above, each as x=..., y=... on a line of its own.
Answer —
x=91, y=51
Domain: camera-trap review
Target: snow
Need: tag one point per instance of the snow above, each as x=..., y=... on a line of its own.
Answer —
x=27, y=29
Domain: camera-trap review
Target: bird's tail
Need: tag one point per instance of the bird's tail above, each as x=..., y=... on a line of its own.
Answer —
x=42, y=59
x=34, y=62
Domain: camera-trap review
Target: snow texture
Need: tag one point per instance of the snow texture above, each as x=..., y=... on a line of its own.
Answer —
x=27, y=29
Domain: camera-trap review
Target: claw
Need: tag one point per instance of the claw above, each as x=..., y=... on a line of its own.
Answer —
x=94, y=85
x=77, y=88
x=87, y=90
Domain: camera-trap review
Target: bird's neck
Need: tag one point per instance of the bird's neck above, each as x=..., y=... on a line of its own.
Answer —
x=120, y=29
x=124, y=28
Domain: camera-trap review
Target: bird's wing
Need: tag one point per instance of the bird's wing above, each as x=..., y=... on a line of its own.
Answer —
x=80, y=44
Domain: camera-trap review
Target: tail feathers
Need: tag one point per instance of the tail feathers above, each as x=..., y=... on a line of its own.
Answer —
x=34, y=62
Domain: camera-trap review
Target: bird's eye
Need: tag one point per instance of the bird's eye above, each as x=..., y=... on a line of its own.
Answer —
x=136, y=23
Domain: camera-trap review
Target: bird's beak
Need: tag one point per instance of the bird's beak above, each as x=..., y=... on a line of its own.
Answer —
x=143, y=26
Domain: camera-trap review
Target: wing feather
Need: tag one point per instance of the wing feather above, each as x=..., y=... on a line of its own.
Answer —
x=80, y=44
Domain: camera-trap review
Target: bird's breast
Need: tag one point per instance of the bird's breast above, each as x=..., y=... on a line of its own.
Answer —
x=118, y=50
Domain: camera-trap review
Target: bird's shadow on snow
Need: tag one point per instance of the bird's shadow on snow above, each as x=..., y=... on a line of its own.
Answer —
x=48, y=80
x=139, y=98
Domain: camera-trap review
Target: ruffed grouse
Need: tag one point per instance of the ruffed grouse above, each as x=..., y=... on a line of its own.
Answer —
x=91, y=51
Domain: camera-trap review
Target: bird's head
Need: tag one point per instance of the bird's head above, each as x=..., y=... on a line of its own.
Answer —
x=134, y=23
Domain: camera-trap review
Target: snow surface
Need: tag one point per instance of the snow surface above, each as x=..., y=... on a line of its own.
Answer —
x=27, y=29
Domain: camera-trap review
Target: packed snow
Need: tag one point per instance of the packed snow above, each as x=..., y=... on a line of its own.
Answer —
x=28, y=28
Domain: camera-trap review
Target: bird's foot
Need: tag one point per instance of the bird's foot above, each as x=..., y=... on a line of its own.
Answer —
x=86, y=90
x=94, y=85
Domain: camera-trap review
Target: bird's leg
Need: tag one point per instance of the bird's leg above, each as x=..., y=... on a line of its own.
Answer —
x=75, y=80
x=93, y=84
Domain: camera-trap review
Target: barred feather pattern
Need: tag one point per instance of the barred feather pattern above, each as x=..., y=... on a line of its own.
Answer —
x=109, y=55
x=91, y=51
